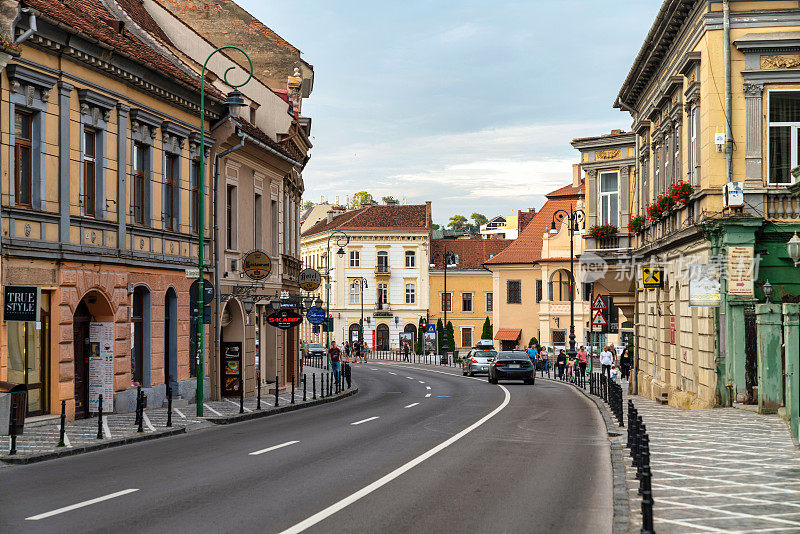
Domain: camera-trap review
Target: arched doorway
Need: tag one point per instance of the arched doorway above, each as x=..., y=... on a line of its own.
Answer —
x=411, y=328
x=93, y=307
x=354, y=333
x=382, y=337
x=232, y=349
x=171, y=339
x=140, y=337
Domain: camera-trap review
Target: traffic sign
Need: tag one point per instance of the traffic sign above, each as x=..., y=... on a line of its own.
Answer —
x=315, y=315
x=599, y=319
x=599, y=303
x=431, y=328
x=208, y=291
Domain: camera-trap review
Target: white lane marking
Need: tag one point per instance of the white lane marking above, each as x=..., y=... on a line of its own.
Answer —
x=412, y=405
x=421, y=382
x=371, y=368
x=177, y=411
x=410, y=377
x=147, y=422
x=66, y=438
x=212, y=410
x=391, y=373
x=106, y=430
x=274, y=447
x=427, y=395
x=79, y=505
x=237, y=405
x=365, y=420
x=427, y=387
x=363, y=492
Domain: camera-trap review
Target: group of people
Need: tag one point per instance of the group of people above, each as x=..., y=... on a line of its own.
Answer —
x=571, y=368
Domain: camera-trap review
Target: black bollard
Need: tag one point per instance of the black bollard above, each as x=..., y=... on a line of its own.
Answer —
x=645, y=489
x=141, y=414
x=137, y=421
x=304, y=387
x=276, y=391
x=241, y=395
x=63, y=424
x=292, y=389
x=13, y=430
x=100, y=417
x=258, y=391
x=169, y=405
x=314, y=385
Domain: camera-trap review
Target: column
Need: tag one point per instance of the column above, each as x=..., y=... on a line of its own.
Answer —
x=63, y=160
x=753, y=117
x=791, y=336
x=770, y=371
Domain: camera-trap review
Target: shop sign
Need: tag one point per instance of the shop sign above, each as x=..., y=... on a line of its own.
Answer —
x=672, y=329
x=256, y=264
x=231, y=368
x=652, y=277
x=101, y=366
x=315, y=315
x=21, y=303
x=704, y=286
x=740, y=271
x=310, y=279
x=284, y=319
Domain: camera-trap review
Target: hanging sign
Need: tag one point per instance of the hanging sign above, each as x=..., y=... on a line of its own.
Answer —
x=599, y=303
x=704, y=286
x=652, y=277
x=310, y=279
x=101, y=366
x=20, y=303
x=284, y=319
x=315, y=315
x=740, y=271
x=256, y=264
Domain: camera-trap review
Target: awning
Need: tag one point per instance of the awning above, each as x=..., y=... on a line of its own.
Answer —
x=508, y=334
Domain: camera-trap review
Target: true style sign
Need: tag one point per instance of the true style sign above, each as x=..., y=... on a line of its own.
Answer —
x=20, y=303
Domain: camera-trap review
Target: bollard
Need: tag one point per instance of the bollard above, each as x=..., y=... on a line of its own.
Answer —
x=241, y=395
x=292, y=389
x=100, y=416
x=646, y=491
x=634, y=437
x=258, y=391
x=141, y=414
x=63, y=424
x=138, y=405
x=304, y=387
x=314, y=385
x=169, y=405
x=276, y=391
x=13, y=430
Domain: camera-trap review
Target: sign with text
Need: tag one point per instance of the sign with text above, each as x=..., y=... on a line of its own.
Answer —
x=21, y=303
x=256, y=264
x=315, y=315
x=284, y=319
x=740, y=271
x=309, y=279
x=704, y=286
x=101, y=366
x=652, y=277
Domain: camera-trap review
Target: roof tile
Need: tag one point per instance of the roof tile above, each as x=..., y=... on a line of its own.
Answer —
x=471, y=252
x=409, y=217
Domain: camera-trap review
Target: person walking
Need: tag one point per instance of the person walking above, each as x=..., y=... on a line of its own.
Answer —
x=606, y=360
x=406, y=350
x=334, y=354
x=346, y=352
x=583, y=359
x=532, y=354
x=625, y=364
x=571, y=369
x=545, y=361
x=561, y=363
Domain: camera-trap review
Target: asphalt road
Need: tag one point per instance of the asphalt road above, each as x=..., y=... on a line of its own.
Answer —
x=417, y=450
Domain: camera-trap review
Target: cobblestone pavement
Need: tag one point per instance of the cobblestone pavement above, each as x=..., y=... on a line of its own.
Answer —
x=718, y=470
x=44, y=438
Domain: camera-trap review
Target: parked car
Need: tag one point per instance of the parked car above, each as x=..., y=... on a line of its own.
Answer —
x=484, y=344
x=477, y=361
x=511, y=365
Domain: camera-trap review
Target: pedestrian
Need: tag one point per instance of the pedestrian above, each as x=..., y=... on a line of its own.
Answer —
x=614, y=373
x=583, y=359
x=334, y=354
x=363, y=352
x=606, y=360
x=545, y=362
x=406, y=350
x=625, y=364
x=561, y=364
x=571, y=369
x=346, y=352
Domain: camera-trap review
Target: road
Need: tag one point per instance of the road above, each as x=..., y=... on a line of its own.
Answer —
x=417, y=450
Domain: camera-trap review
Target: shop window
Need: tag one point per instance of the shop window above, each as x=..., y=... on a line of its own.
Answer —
x=609, y=198
x=513, y=291
x=784, y=122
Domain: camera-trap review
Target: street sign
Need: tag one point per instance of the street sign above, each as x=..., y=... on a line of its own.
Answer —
x=310, y=279
x=652, y=277
x=208, y=291
x=284, y=319
x=599, y=303
x=431, y=328
x=192, y=272
x=599, y=318
x=256, y=264
x=315, y=315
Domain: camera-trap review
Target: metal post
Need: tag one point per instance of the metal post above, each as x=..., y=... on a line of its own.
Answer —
x=645, y=490
x=100, y=416
x=13, y=430
x=138, y=405
x=292, y=389
x=169, y=405
x=63, y=424
x=241, y=395
x=141, y=414
x=304, y=387
x=314, y=385
x=276, y=391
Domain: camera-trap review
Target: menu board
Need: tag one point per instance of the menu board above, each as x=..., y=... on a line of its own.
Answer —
x=231, y=368
x=101, y=366
x=740, y=271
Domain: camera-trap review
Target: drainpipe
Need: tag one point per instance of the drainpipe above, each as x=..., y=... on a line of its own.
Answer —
x=31, y=27
x=726, y=15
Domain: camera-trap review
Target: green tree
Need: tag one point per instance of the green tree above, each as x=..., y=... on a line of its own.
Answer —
x=440, y=333
x=361, y=198
x=389, y=200
x=534, y=342
x=487, y=330
x=457, y=222
x=420, y=337
x=478, y=219
x=435, y=226
x=308, y=204
x=451, y=342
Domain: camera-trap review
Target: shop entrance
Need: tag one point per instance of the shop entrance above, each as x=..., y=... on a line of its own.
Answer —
x=29, y=356
x=92, y=308
x=382, y=334
x=232, y=359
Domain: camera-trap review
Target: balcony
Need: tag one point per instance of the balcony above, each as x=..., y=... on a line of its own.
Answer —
x=781, y=205
x=615, y=243
x=383, y=309
x=382, y=270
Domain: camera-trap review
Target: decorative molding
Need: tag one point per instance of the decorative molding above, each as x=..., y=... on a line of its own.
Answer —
x=87, y=97
x=780, y=61
x=603, y=155
x=23, y=75
x=753, y=90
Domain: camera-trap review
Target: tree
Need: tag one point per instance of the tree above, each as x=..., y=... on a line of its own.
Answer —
x=308, y=205
x=420, y=337
x=451, y=342
x=534, y=342
x=362, y=198
x=479, y=220
x=439, y=336
x=457, y=222
x=435, y=226
x=487, y=330
x=389, y=200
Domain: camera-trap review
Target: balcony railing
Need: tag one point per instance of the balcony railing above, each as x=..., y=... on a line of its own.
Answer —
x=382, y=269
x=612, y=243
x=383, y=309
x=781, y=205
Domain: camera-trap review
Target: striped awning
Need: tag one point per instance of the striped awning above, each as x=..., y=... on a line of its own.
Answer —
x=508, y=334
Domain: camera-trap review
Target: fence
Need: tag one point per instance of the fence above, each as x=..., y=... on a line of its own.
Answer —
x=445, y=360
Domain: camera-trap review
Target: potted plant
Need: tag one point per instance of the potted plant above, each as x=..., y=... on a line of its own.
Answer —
x=599, y=231
x=654, y=211
x=665, y=203
x=681, y=191
x=636, y=224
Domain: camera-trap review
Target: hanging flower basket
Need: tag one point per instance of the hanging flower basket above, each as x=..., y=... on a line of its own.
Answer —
x=680, y=192
x=636, y=224
x=602, y=230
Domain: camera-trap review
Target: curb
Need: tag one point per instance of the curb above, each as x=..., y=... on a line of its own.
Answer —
x=238, y=418
x=622, y=505
x=71, y=451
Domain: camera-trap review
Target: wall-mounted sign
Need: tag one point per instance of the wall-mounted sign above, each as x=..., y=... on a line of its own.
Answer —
x=284, y=319
x=310, y=279
x=192, y=272
x=740, y=271
x=21, y=303
x=256, y=264
x=315, y=315
x=652, y=277
x=704, y=287
x=208, y=292
x=101, y=366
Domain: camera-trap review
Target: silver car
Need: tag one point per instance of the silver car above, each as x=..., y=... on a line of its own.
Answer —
x=477, y=361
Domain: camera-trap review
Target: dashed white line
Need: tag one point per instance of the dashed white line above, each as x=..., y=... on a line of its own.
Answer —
x=372, y=369
x=427, y=395
x=421, y=382
x=365, y=420
x=66, y=439
x=177, y=411
x=410, y=377
x=412, y=405
x=391, y=373
x=274, y=447
x=427, y=387
x=147, y=422
x=79, y=505
x=212, y=410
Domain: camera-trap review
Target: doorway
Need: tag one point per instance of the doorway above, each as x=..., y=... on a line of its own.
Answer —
x=171, y=339
x=29, y=356
x=382, y=337
x=412, y=329
x=80, y=333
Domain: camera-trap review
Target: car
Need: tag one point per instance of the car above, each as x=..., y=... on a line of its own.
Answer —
x=316, y=349
x=477, y=361
x=511, y=365
x=484, y=344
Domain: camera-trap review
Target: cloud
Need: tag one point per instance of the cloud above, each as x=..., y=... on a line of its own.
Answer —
x=460, y=33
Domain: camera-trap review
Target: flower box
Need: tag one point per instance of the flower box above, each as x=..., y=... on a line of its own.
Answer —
x=599, y=231
x=636, y=224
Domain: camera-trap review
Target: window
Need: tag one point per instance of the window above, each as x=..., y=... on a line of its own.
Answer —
x=230, y=217
x=89, y=152
x=466, y=302
x=784, y=122
x=645, y=181
x=693, y=145
x=538, y=291
x=513, y=291
x=383, y=295
x=383, y=262
x=273, y=228
x=656, y=171
x=609, y=198
x=411, y=258
x=355, y=258
x=559, y=337
x=138, y=335
x=411, y=296
x=447, y=301
x=677, y=162
x=666, y=177
x=140, y=153
x=560, y=286
x=257, y=208
x=355, y=293
x=171, y=169
x=466, y=337
x=587, y=291
x=194, y=185
x=23, y=169
x=489, y=301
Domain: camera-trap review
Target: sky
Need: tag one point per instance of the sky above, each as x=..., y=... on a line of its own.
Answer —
x=469, y=104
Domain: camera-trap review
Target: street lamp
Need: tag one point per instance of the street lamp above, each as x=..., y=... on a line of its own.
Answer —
x=767, y=290
x=342, y=239
x=234, y=102
x=363, y=283
x=793, y=247
x=575, y=218
x=448, y=258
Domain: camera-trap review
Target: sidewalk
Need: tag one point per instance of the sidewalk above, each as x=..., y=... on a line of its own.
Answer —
x=721, y=469
x=40, y=442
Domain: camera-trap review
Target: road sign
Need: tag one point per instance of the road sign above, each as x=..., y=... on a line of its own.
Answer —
x=652, y=277
x=315, y=315
x=256, y=264
x=599, y=318
x=310, y=279
x=599, y=303
x=284, y=319
x=431, y=328
x=208, y=291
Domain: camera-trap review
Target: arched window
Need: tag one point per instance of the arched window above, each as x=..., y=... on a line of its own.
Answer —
x=140, y=337
x=560, y=286
x=382, y=337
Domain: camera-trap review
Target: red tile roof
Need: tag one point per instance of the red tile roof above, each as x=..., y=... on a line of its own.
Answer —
x=508, y=334
x=527, y=248
x=139, y=15
x=471, y=252
x=410, y=217
x=261, y=135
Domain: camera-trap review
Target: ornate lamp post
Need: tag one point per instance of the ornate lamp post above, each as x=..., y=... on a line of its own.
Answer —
x=448, y=258
x=793, y=248
x=234, y=102
x=363, y=282
x=576, y=219
x=342, y=239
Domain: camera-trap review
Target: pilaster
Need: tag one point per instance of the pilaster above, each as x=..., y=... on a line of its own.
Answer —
x=122, y=160
x=753, y=117
x=64, y=90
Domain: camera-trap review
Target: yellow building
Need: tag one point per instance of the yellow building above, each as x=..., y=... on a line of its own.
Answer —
x=469, y=295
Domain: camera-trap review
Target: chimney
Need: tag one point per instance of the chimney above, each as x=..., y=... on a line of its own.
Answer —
x=330, y=216
x=576, y=174
x=428, y=214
